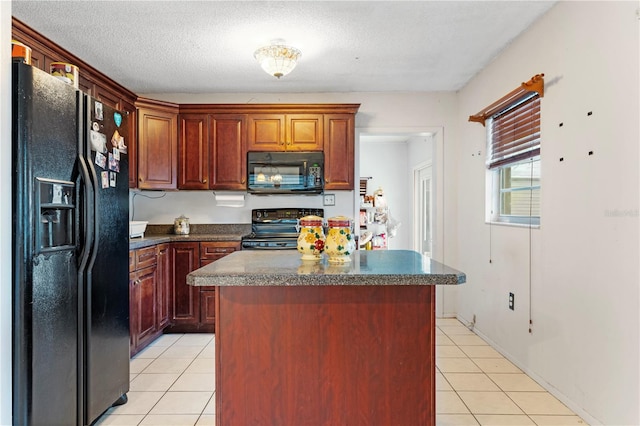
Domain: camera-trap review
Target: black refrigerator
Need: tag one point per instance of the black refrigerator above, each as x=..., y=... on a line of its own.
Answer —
x=70, y=277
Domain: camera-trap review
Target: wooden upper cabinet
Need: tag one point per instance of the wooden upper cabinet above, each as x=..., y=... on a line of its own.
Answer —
x=193, y=152
x=130, y=140
x=285, y=132
x=106, y=96
x=304, y=132
x=228, y=164
x=157, y=144
x=339, y=151
x=266, y=132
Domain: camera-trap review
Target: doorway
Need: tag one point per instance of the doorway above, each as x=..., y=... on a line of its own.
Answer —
x=424, y=147
x=423, y=209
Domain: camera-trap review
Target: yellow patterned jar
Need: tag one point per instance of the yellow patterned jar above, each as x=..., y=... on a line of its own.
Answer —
x=311, y=238
x=340, y=242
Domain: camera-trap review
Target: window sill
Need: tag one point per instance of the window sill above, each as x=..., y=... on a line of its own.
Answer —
x=513, y=224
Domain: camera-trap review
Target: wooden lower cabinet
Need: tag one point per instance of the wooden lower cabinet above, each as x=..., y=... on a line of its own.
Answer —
x=163, y=287
x=149, y=295
x=194, y=307
x=160, y=299
x=185, y=258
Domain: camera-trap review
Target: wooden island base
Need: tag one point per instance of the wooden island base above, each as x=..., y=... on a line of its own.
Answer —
x=325, y=355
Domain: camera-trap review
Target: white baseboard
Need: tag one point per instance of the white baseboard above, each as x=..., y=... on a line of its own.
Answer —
x=548, y=387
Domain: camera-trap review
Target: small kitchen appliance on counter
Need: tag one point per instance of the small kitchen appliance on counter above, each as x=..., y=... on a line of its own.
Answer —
x=276, y=229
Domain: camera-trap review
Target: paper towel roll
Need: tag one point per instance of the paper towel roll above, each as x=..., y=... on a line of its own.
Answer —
x=229, y=200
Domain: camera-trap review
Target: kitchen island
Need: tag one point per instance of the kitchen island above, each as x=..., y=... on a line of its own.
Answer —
x=313, y=343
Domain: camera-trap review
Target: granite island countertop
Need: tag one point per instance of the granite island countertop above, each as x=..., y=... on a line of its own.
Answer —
x=286, y=268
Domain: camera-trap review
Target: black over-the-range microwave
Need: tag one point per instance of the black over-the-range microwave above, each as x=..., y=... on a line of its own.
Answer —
x=285, y=172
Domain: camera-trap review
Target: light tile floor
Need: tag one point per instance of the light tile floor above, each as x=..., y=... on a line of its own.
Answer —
x=173, y=383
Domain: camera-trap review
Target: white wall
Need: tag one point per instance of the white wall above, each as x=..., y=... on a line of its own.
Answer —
x=162, y=207
x=584, y=278
x=5, y=213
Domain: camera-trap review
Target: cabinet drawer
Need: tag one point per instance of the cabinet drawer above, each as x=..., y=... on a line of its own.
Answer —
x=146, y=257
x=217, y=249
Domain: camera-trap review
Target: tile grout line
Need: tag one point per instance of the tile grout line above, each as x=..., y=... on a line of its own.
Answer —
x=489, y=377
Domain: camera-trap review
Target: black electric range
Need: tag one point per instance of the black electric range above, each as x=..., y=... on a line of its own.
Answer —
x=276, y=229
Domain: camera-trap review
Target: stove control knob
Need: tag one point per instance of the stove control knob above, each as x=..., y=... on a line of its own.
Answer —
x=258, y=214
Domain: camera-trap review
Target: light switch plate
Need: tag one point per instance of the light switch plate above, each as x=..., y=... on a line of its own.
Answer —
x=329, y=200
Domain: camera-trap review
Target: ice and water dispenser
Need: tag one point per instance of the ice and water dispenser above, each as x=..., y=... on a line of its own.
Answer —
x=56, y=207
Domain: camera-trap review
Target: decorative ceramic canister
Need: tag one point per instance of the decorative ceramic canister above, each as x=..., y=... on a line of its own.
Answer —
x=181, y=225
x=311, y=238
x=340, y=242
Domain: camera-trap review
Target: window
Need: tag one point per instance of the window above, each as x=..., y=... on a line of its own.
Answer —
x=513, y=154
x=513, y=158
x=516, y=192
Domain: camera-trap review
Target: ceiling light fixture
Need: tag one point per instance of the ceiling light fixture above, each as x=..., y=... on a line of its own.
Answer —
x=277, y=59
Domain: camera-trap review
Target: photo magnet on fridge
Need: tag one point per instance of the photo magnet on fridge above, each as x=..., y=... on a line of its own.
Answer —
x=98, y=142
x=112, y=179
x=105, y=179
x=117, y=141
x=101, y=160
x=116, y=154
x=97, y=111
x=114, y=165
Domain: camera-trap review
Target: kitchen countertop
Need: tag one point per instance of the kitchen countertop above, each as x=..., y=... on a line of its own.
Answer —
x=286, y=268
x=151, y=240
x=158, y=234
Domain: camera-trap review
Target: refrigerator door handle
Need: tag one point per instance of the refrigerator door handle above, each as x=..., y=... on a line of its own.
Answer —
x=87, y=213
x=91, y=186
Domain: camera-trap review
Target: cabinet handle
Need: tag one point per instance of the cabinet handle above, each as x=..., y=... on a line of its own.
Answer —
x=204, y=181
x=282, y=143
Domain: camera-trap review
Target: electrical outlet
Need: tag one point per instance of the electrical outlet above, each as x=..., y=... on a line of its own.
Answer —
x=511, y=301
x=329, y=200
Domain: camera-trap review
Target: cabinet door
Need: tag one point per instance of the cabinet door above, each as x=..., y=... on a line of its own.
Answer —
x=208, y=305
x=133, y=311
x=185, y=258
x=304, y=132
x=228, y=151
x=339, y=151
x=193, y=152
x=266, y=132
x=145, y=300
x=163, y=287
x=210, y=251
x=157, y=149
x=131, y=141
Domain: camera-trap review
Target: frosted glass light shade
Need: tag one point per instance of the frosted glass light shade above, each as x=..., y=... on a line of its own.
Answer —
x=277, y=59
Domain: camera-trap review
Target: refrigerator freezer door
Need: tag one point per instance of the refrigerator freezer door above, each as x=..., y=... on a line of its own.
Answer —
x=106, y=280
x=45, y=287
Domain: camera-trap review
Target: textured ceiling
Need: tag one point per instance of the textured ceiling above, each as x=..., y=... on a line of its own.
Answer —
x=359, y=46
